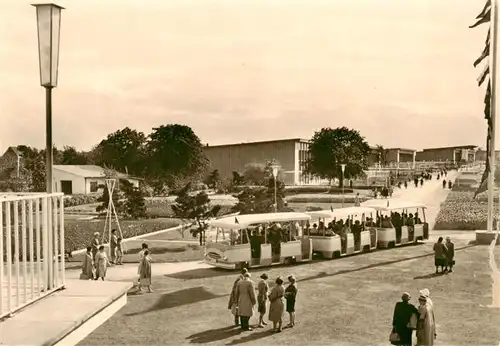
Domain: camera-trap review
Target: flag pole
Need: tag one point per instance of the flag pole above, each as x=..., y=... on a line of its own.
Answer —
x=493, y=70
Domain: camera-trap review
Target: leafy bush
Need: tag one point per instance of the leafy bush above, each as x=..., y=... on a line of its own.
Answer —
x=161, y=207
x=74, y=200
x=79, y=233
x=461, y=212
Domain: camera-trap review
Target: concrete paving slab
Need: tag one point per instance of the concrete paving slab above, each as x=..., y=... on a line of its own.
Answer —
x=54, y=317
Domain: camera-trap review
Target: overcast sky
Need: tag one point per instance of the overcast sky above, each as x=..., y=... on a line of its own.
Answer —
x=246, y=70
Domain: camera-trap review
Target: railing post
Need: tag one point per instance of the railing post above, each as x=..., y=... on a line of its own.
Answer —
x=32, y=254
x=61, y=237
x=54, y=230
x=24, y=247
x=50, y=237
x=16, y=252
x=1, y=258
x=8, y=238
x=38, y=245
x=45, y=247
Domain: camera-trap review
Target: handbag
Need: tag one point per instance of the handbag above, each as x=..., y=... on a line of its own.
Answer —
x=412, y=324
x=394, y=338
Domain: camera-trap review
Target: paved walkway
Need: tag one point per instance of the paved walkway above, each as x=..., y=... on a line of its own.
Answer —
x=431, y=194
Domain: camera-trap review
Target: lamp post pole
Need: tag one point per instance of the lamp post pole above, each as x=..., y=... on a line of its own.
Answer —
x=48, y=17
x=342, y=166
x=275, y=177
x=49, y=153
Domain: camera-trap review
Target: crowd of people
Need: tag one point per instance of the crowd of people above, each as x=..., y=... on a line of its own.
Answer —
x=96, y=261
x=243, y=299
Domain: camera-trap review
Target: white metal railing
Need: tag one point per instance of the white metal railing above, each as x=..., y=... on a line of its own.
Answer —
x=31, y=248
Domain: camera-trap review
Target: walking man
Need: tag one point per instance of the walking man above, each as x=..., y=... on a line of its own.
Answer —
x=450, y=254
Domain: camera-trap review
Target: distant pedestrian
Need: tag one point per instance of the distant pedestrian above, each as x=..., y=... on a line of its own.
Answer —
x=439, y=255
x=276, y=308
x=449, y=184
x=291, y=297
x=415, y=181
x=421, y=181
x=119, y=251
x=356, y=200
x=112, y=246
x=95, y=245
x=404, y=320
x=450, y=254
x=444, y=183
x=245, y=296
x=145, y=274
x=88, y=265
x=263, y=289
x=102, y=263
x=406, y=184
x=144, y=248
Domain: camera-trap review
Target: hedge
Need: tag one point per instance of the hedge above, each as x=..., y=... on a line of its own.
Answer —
x=79, y=233
x=74, y=200
x=460, y=211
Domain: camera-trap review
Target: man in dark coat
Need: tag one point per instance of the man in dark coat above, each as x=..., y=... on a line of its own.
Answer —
x=403, y=312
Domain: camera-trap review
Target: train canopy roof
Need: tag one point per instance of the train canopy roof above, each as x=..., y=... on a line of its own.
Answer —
x=341, y=213
x=394, y=204
x=244, y=221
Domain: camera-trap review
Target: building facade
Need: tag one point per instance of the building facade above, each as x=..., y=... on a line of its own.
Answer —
x=290, y=154
x=457, y=154
x=82, y=179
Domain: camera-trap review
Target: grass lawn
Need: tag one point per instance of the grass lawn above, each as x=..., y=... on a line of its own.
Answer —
x=348, y=301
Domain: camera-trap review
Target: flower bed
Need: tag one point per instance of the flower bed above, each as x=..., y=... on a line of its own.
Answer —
x=461, y=211
x=79, y=233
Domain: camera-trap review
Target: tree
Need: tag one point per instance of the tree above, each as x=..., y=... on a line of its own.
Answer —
x=135, y=204
x=213, y=180
x=329, y=148
x=238, y=179
x=382, y=155
x=196, y=208
x=261, y=199
x=122, y=150
x=33, y=161
x=255, y=174
x=70, y=156
x=175, y=151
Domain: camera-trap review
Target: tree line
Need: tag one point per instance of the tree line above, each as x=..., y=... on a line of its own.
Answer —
x=172, y=155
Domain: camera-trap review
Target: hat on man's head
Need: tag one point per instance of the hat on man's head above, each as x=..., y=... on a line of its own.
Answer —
x=264, y=276
x=96, y=233
x=244, y=270
x=406, y=296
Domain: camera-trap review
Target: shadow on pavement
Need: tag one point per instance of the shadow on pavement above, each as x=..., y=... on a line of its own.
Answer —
x=179, y=298
x=252, y=336
x=213, y=335
x=202, y=273
x=428, y=276
x=375, y=265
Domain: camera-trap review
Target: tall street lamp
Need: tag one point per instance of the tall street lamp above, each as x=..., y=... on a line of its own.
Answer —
x=342, y=166
x=48, y=17
x=275, y=169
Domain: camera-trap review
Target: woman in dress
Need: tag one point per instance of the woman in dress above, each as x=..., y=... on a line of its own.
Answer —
x=439, y=255
x=263, y=290
x=426, y=326
x=88, y=265
x=145, y=274
x=290, y=296
x=277, y=307
x=144, y=247
x=101, y=263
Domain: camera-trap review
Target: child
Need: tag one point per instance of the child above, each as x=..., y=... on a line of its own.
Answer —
x=141, y=257
x=119, y=251
x=88, y=265
x=145, y=272
x=102, y=263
